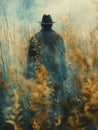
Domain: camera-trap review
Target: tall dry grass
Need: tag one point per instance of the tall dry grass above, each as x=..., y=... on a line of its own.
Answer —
x=82, y=54
x=85, y=58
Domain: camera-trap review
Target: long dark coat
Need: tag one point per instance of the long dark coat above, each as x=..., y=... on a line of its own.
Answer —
x=49, y=46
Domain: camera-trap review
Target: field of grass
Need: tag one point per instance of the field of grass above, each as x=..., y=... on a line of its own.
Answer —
x=18, y=94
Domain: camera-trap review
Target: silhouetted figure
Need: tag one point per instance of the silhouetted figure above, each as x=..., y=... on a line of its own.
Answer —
x=48, y=48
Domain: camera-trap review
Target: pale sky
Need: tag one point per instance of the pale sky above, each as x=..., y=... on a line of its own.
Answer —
x=81, y=12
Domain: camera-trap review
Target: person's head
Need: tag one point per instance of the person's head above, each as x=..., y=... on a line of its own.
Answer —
x=47, y=22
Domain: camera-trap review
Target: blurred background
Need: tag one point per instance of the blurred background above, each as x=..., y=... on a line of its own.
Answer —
x=77, y=22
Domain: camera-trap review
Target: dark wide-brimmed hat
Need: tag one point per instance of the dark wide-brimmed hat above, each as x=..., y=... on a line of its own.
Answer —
x=46, y=19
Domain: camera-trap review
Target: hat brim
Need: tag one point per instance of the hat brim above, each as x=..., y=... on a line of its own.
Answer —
x=46, y=23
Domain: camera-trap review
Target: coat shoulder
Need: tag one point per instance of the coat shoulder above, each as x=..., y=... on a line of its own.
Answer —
x=34, y=38
x=58, y=35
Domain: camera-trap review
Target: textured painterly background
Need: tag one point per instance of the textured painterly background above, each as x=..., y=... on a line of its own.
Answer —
x=77, y=22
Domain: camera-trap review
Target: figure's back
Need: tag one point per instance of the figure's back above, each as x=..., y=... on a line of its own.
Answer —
x=51, y=44
x=52, y=52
